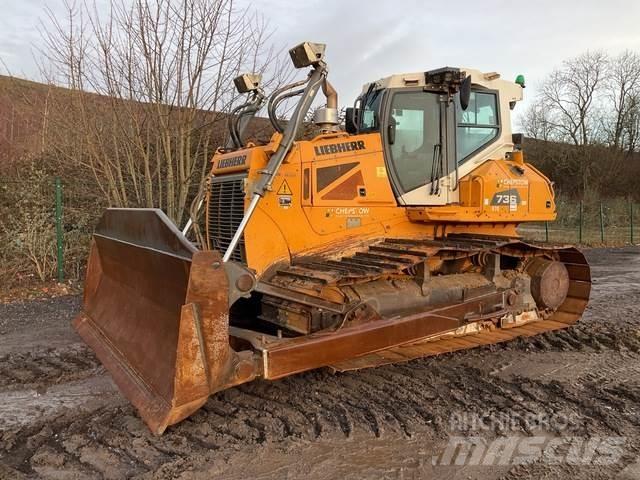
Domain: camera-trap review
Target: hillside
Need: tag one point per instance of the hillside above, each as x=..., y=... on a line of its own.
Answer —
x=586, y=172
x=22, y=107
x=25, y=106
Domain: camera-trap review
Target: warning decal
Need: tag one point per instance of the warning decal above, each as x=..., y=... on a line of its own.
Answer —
x=284, y=189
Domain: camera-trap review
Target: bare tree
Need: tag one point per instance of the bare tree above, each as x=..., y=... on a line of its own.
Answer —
x=623, y=92
x=535, y=122
x=569, y=94
x=631, y=126
x=163, y=73
x=569, y=103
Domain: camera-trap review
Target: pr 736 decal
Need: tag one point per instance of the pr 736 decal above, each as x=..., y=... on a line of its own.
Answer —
x=510, y=198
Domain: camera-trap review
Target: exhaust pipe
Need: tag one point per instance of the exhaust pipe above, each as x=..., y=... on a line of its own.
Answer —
x=327, y=118
x=331, y=94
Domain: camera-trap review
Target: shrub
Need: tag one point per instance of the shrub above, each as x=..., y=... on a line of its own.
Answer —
x=27, y=226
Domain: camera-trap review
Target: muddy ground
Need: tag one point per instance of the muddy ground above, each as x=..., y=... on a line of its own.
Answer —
x=62, y=418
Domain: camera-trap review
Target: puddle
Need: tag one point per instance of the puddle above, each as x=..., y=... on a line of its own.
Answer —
x=23, y=407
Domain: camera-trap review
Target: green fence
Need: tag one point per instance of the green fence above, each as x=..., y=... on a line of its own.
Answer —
x=45, y=229
x=610, y=222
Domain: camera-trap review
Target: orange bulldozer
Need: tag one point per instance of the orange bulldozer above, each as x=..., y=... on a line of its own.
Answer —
x=386, y=238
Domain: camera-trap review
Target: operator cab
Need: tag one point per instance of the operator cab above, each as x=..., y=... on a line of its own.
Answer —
x=436, y=127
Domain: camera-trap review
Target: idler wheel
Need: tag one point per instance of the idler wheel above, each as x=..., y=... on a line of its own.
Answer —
x=549, y=282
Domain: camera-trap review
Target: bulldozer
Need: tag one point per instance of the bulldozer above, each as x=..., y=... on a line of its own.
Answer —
x=389, y=236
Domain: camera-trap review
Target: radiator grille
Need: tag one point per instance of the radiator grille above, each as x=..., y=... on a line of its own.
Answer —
x=225, y=212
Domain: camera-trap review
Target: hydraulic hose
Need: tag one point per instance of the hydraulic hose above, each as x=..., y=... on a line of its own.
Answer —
x=236, y=116
x=273, y=103
x=235, y=136
x=276, y=103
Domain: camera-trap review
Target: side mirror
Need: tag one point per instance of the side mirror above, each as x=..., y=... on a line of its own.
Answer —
x=465, y=92
x=350, y=120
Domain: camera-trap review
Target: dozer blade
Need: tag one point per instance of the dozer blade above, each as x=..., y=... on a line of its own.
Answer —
x=156, y=315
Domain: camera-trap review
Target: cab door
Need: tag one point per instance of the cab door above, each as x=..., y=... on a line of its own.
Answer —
x=418, y=145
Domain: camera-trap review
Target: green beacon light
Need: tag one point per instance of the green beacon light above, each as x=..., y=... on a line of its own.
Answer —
x=520, y=80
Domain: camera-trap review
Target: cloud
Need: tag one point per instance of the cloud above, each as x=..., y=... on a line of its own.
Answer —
x=373, y=39
x=369, y=40
x=22, y=24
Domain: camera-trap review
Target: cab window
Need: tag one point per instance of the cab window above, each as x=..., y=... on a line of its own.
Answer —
x=477, y=125
x=370, y=108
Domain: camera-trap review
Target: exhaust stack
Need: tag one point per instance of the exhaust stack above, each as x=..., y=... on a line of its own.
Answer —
x=327, y=118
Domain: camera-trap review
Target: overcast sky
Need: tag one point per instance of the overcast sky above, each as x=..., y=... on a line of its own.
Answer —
x=370, y=39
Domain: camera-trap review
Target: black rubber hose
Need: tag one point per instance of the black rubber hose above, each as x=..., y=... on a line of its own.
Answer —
x=276, y=103
x=274, y=97
x=232, y=124
x=249, y=111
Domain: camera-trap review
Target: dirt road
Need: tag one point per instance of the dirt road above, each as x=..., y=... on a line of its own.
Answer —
x=61, y=417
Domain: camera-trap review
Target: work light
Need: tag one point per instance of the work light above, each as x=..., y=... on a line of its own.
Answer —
x=307, y=54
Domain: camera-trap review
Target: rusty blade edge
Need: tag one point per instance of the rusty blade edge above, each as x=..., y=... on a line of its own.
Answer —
x=154, y=409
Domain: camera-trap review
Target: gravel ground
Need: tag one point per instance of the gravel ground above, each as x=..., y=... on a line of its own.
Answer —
x=61, y=417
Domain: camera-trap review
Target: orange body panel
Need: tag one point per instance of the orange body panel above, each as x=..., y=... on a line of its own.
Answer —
x=486, y=194
x=335, y=188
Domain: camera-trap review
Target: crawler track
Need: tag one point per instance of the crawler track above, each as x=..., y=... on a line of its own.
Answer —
x=305, y=283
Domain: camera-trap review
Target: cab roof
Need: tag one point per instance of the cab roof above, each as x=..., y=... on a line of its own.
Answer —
x=509, y=91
